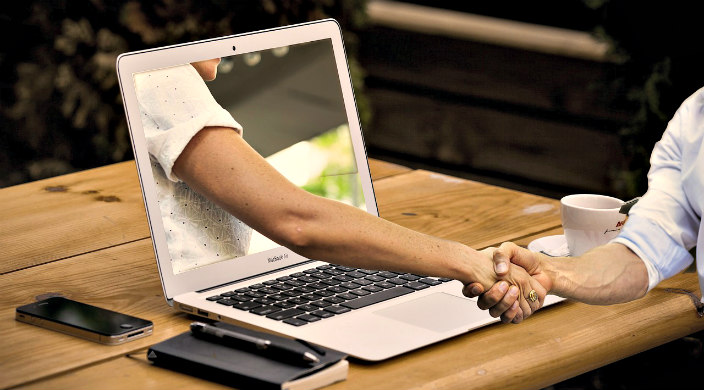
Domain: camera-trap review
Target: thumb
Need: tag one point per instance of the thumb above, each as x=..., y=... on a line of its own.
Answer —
x=501, y=262
x=510, y=252
x=472, y=290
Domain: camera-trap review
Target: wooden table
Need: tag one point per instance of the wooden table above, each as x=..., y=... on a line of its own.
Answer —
x=85, y=235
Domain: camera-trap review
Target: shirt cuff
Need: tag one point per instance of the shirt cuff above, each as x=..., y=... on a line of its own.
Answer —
x=663, y=257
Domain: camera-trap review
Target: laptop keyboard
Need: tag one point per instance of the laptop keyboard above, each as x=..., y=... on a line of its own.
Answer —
x=322, y=292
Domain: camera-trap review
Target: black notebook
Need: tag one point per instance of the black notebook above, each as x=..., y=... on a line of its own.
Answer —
x=247, y=369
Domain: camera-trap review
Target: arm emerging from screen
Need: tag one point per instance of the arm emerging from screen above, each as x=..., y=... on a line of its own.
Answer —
x=219, y=164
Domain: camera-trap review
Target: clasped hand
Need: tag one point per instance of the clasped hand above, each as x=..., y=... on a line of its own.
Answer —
x=518, y=271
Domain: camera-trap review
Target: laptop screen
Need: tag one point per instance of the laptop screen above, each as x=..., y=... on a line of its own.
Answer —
x=288, y=104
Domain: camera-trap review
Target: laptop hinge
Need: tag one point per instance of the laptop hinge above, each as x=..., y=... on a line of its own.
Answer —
x=253, y=276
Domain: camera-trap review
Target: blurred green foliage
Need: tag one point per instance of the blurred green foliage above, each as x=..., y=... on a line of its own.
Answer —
x=60, y=105
x=338, y=180
x=658, y=49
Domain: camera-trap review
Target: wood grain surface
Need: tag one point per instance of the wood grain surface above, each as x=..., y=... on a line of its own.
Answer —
x=51, y=219
x=118, y=272
x=556, y=343
x=122, y=278
x=382, y=169
x=473, y=213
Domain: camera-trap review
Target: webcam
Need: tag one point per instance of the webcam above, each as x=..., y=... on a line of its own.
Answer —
x=234, y=48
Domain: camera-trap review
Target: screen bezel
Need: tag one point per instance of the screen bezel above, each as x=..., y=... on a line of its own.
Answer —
x=254, y=264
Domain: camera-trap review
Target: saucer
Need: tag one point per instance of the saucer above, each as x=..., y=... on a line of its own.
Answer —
x=551, y=245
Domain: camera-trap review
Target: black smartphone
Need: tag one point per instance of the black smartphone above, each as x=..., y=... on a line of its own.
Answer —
x=85, y=321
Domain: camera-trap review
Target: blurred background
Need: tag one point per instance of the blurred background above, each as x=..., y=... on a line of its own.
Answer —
x=547, y=96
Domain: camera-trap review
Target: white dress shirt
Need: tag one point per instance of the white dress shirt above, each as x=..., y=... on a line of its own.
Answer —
x=665, y=224
x=176, y=104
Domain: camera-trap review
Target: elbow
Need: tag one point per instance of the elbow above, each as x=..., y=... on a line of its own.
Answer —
x=639, y=292
x=635, y=283
x=307, y=225
x=635, y=279
x=642, y=281
x=297, y=238
x=297, y=232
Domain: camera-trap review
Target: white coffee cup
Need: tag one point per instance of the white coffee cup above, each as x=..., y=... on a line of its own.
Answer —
x=590, y=220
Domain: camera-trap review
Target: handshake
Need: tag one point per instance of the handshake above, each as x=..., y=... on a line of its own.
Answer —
x=607, y=274
x=601, y=272
x=521, y=283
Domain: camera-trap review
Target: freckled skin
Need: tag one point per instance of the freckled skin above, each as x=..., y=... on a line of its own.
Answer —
x=220, y=165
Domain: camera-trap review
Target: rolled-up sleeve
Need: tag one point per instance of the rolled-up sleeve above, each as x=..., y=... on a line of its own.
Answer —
x=175, y=105
x=662, y=227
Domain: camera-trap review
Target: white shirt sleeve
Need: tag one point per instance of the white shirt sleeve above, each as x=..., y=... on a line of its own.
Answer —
x=662, y=227
x=176, y=104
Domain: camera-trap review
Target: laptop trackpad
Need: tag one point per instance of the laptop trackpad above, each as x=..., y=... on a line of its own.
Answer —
x=438, y=312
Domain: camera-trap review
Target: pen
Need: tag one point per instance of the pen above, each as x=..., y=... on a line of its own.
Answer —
x=276, y=351
x=626, y=206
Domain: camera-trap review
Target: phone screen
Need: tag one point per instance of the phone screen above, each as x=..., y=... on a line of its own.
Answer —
x=82, y=316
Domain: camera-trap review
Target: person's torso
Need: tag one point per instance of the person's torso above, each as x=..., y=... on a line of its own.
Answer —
x=198, y=232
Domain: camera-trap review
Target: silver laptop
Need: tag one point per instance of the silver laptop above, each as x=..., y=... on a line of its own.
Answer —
x=290, y=90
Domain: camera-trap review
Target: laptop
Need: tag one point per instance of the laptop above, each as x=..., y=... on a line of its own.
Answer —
x=290, y=90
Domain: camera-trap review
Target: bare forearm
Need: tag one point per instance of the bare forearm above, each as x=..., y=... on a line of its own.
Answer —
x=608, y=274
x=220, y=165
x=347, y=235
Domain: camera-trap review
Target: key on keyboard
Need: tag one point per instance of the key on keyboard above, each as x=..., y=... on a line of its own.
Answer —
x=322, y=292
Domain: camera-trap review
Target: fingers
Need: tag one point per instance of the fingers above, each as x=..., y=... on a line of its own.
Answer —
x=505, y=304
x=501, y=300
x=525, y=307
x=513, y=315
x=510, y=298
x=505, y=301
x=541, y=292
x=530, y=293
x=510, y=252
x=492, y=297
x=518, y=318
x=472, y=290
x=528, y=305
